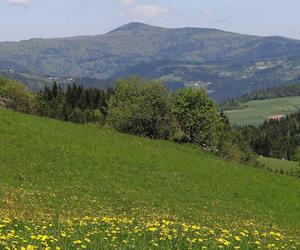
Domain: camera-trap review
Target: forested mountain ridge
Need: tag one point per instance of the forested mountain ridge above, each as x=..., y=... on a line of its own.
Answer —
x=36, y=82
x=227, y=64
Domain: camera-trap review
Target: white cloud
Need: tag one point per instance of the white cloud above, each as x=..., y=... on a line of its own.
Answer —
x=19, y=2
x=127, y=2
x=150, y=10
x=145, y=11
x=207, y=12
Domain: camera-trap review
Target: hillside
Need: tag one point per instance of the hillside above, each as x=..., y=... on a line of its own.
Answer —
x=267, y=93
x=36, y=82
x=51, y=169
x=280, y=166
x=257, y=111
x=227, y=64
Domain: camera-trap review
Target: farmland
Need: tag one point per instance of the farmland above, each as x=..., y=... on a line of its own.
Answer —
x=77, y=186
x=256, y=112
x=278, y=165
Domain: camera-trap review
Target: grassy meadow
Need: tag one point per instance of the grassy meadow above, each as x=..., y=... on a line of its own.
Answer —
x=278, y=165
x=256, y=112
x=67, y=186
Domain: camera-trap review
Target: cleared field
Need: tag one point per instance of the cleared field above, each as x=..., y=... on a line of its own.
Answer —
x=277, y=164
x=256, y=112
x=67, y=186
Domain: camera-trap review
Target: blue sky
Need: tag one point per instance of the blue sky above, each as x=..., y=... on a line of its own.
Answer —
x=24, y=19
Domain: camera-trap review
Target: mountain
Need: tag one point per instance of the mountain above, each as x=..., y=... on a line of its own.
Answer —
x=228, y=64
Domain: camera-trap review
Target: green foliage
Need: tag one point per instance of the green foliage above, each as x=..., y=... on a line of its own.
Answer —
x=276, y=139
x=297, y=154
x=233, y=146
x=141, y=109
x=98, y=117
x=14, y=95
x=76, y=116
x=146, y=109
x=197, y=116
x=76, y=104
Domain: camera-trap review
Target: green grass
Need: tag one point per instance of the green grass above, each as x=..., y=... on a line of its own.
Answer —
x=170, y=78
x=52, y=168
x=277, y=164
x=256, y=112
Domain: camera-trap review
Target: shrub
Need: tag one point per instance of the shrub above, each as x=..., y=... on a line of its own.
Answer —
x=15, y=96
x=197, y=116
x=141, y=108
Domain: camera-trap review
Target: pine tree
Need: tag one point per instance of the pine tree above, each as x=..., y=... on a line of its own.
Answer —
x=54, y=90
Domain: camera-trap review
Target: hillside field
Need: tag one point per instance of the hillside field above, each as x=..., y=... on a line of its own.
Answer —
x=256, y=112
x=67, y=186
x=277, y=164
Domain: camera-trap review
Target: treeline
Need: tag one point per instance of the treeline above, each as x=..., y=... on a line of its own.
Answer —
x=75, y=104
x=275, y=138
x=146, y=109
x=273, y=92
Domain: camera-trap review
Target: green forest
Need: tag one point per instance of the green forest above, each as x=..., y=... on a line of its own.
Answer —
x=276, y=138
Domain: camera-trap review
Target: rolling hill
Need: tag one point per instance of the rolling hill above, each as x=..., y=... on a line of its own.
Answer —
x=52, y=169
x=287, y=90
x=227, y=64
x=278, y=165
x=36, y=82
x=257, y=111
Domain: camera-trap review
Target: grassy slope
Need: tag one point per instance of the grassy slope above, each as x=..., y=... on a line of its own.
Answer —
x=48, y=165
x=255, y=112
x=277, y=164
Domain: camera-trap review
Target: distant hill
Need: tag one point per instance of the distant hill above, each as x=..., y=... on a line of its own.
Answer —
x=37, y=82
x=255, y=112
x=287, y=90
x=227, y=64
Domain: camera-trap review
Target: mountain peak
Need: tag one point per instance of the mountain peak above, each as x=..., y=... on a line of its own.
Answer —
x=133, y=26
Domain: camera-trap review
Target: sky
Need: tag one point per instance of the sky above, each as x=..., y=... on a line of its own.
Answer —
x=25, y=19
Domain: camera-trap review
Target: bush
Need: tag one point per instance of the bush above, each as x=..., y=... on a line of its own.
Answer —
x=76, y=116
x=15, y=96
x=141, y=108
x=197, y=116
x=98, y=118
